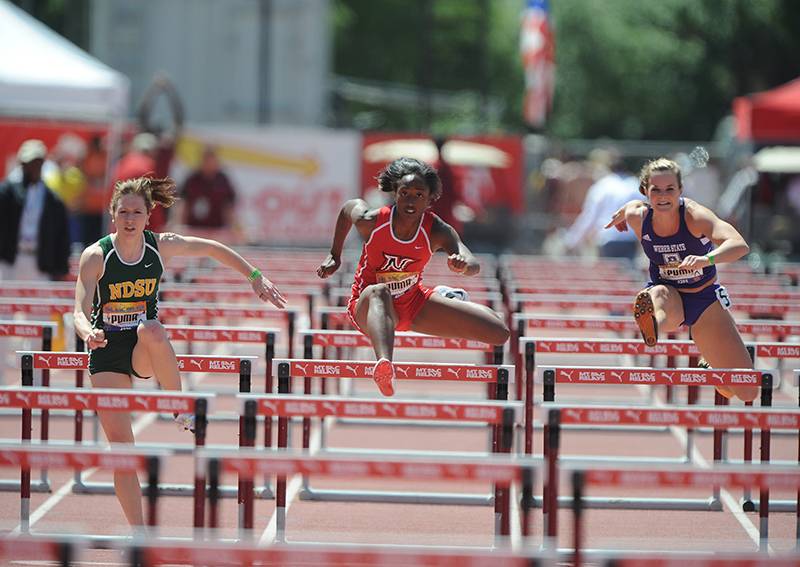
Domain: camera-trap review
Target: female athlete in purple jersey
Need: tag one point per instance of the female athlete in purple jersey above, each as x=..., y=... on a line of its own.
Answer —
x=684, y=241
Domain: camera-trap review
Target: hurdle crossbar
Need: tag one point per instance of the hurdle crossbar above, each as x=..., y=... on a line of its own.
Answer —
x=241, y=365
x=79, y=458
x=42, y=330
x=499, y=470
x=762, y=477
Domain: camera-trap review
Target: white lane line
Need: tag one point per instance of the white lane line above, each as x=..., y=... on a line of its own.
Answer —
x=139, y=424
x=726, y=497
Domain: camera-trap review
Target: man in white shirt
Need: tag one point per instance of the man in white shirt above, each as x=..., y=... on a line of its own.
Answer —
x=602, y=200
x=34, y=232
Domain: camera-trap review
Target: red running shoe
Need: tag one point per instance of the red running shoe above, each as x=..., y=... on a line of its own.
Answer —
x=383, y=374
x=645, y=315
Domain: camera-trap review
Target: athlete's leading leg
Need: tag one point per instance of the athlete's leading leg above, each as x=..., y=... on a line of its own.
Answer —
x=718, y=340
x=118, y=430
x=657, y=308
x=375, y=314
x=445, y=317
x=154, y=355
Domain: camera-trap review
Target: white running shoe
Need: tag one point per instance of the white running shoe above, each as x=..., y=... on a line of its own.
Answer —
x=452, y=292
x=185, y=421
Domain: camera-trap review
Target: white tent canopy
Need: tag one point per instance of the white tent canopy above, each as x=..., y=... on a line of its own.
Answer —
x=44, y=75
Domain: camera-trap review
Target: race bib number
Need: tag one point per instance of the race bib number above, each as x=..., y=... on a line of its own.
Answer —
x=120, y=316
x=672, y=273
x=398, y=282
x=723, y=297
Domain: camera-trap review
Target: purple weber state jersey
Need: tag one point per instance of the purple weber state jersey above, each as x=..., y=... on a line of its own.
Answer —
x=667, y=252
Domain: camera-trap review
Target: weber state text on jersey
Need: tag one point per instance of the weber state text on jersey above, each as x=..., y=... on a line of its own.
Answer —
x=387, y=259
x=667, y=252
x=127, y=293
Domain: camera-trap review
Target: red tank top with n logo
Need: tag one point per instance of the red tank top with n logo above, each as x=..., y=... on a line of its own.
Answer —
x=387, y=259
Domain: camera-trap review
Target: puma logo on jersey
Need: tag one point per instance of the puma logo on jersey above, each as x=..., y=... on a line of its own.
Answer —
x=394, y=263
x=126, y=290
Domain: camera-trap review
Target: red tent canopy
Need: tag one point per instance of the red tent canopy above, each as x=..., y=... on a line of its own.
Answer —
x=770, y=116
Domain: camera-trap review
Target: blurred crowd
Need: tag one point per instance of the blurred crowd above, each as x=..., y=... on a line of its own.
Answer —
x=579, y=196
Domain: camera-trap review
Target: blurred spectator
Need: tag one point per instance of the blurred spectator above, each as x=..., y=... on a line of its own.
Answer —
x=67, y=180
x=140, y=162
x=96, y=196
x=34, y=234
x=603, y=198
x=208, y=198
x=167, y=136
x=451, y=196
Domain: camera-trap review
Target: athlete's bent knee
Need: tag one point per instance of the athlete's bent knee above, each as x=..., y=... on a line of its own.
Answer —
x=380, y=292
x=151, y=332
x=498, y=334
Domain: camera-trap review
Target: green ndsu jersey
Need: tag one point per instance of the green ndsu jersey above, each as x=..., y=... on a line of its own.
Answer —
x=127, y=293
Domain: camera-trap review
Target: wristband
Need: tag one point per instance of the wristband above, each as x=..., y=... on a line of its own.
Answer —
x=710, y=259
x=254, y=275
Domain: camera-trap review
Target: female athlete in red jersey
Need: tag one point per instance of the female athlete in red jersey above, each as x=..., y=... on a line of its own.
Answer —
x=388, y=294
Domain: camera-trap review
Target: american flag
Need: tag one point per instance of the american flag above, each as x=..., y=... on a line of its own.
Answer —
x=537, y=49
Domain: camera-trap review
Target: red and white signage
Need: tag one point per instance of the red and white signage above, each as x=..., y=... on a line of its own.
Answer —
x=72, y=458
x=778, y=350
x=679, y=416
x=609, y=346
x=401, y=340
x=322, y=368
x=98, y=399
x=339, y=556
x=270, y=463
x=218, y=334
x=186, y=362
x=669, y=377
x=631, y=478
x=23, y=329
x=306, y=406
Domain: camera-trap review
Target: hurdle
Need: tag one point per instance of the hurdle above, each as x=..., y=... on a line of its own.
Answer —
x=79, y=361
x=502, y=414
x=167, y=310
x=628, y=416
x=621, y=375
x=500, y=375
x=170, y=310
x=32, y=329
x=325, y=339
x=75, y=457
x=520, y=301
x=765, y=478
x=530, y=346
x=213, y=294
x=499, y=470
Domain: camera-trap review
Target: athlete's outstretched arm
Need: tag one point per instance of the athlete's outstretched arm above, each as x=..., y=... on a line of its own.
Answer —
x=170, y=245
x=90, y=266
x=459, y=257
x=729, y=244
x=353, y=212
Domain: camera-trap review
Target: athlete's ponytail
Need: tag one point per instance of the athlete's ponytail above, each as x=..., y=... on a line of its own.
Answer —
x=153, y=191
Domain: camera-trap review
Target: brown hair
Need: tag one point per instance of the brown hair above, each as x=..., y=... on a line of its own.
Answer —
x=161, y=191
x=658, y=165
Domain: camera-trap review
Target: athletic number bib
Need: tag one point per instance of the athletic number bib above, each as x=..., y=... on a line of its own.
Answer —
x=398, y=282
x=120, y=316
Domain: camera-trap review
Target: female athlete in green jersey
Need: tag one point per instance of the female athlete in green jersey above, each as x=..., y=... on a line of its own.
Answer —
x=116, y=308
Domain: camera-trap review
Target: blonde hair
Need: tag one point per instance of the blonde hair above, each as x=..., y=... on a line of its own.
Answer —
x=658, y=165
x=153, y=191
